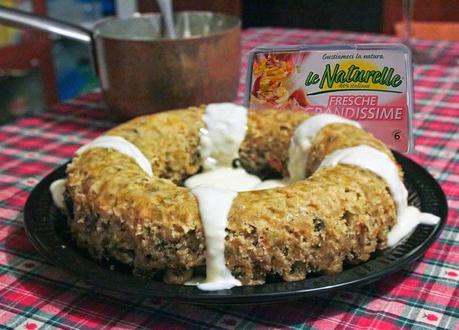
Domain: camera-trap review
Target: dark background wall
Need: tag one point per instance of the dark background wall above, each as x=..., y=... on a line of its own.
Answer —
x=357, y=15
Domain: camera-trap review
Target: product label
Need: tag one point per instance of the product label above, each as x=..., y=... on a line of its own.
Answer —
x=371, y=86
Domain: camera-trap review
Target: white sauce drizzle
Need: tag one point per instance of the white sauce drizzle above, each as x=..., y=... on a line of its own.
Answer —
x=57, y=189
x=117, y=143
x=122, y=146
x=407, y=220
x=214, y=206
x=216, y=188
x=302, y=139
x=226, y=124
x=408, y=217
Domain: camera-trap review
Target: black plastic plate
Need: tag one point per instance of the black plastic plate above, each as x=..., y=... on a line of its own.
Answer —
x=47, y=230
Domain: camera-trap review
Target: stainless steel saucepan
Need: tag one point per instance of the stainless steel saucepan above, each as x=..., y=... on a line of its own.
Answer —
x=143, y=72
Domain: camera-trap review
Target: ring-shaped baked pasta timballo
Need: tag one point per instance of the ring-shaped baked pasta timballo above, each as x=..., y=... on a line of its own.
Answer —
x=337, y=214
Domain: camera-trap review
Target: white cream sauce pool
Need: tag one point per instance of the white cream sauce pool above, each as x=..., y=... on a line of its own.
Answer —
x=302, y=138
x=270, y=184
x=236, y=179
x=408, y=217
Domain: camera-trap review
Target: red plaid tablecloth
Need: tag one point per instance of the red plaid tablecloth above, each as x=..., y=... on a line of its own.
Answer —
x=34, y=293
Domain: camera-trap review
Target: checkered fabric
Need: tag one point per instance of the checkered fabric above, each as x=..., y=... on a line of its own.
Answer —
x=35, y=294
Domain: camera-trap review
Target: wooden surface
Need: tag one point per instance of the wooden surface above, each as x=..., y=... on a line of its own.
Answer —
x=424, y=10
x=308, y=14
x=313, y=14
x=431, y=30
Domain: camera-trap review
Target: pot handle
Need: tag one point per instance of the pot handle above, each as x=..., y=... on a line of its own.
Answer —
x=21, y=19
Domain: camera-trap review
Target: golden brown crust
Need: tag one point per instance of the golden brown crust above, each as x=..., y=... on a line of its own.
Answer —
x=340, y=213
x=150, y=223
x=312, y=225
x=169, y=139
x=265, y=146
